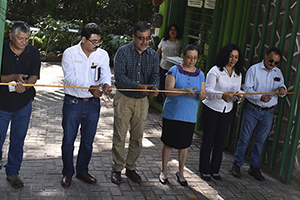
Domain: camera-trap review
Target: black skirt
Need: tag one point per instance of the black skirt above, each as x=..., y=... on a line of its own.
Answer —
x=177, y=134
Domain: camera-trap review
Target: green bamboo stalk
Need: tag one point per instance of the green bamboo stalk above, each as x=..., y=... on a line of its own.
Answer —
x=230, y=22
x=3, y=5
x=254, y=33
x=281, y=103
x=246, y=26
x=264, y=30
x=223, y=24
x=296, y=86
x=213, y=40
x=275, y=23
x=239, y=23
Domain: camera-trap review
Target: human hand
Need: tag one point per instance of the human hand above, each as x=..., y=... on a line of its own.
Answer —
x=156, y=91
x=240, y=98
x=266, y=98
x=189, y=91
x=282, y=91
x=202, y=95
x=20, y=78
x=95, y=91
x=144, y=87
x=20, y=88
x=227, y=98
x=106, y=89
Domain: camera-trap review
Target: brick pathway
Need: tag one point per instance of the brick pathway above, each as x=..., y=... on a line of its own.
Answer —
x=41, y=169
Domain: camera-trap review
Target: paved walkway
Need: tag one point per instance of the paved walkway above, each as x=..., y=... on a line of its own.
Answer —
x=41, y=169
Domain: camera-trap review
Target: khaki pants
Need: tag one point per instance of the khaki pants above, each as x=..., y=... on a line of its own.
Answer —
x=133, y=112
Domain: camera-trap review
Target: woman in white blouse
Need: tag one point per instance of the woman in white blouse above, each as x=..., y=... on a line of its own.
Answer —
x=170, y=45
x=224, y=77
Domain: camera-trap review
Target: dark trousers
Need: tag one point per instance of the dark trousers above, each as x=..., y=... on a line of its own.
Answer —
x=215, y=128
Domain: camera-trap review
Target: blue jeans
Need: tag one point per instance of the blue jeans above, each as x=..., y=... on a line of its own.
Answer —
x=78, y=112
x=259, y=123
x=18, y=129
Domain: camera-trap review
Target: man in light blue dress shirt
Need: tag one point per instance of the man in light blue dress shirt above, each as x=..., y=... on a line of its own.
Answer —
x=258, y=112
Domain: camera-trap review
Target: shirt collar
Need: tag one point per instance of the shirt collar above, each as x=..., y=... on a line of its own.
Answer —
x=26, y=50
x=262, y=66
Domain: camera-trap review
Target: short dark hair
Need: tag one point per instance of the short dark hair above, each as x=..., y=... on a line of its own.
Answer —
x=141, y=26
x=222, y=58
x=275, y=50
x=20, y=26
x=89, y=29
x=167, y=36
x=190, y=47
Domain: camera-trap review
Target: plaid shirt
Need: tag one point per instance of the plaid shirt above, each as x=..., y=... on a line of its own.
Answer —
x=132, y=68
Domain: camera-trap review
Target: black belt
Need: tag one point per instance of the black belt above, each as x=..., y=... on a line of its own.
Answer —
x=259, y=107
x=82, y=99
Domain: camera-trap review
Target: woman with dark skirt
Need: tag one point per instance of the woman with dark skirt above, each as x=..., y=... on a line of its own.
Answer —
x=186, y=84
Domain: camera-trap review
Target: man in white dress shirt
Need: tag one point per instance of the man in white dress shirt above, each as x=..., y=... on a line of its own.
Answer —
x=84, y=65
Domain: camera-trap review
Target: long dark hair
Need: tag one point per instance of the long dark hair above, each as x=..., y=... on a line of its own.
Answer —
x=167, y=36
x=222, y=58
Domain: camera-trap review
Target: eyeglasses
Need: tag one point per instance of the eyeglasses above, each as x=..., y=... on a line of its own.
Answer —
x=273, y=61
x=95, y=42
x=143, y=38
x=192, y=58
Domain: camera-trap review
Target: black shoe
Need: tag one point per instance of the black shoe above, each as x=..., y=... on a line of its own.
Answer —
x=182, y=183
x=15, y=181
x=133, y=176
x=116, y=177
x=216, y=177
x=255, y=172
x=205, y=177
x=162, y=179
x=236, y=170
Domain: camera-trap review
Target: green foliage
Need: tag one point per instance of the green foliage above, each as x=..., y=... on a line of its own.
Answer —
x=55, y=35
x=55, y=18
x=112, y=42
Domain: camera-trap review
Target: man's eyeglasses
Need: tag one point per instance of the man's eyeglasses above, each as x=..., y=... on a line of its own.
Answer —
x=95, y=42
x=273, y=61
x=143, y=38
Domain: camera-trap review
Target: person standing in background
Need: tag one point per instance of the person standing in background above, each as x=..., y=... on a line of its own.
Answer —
x=170, y=45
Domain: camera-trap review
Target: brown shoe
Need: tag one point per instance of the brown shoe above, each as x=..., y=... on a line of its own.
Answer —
x=132, y=175
x=116, y=177
x=66, y=181
x=88, y=178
